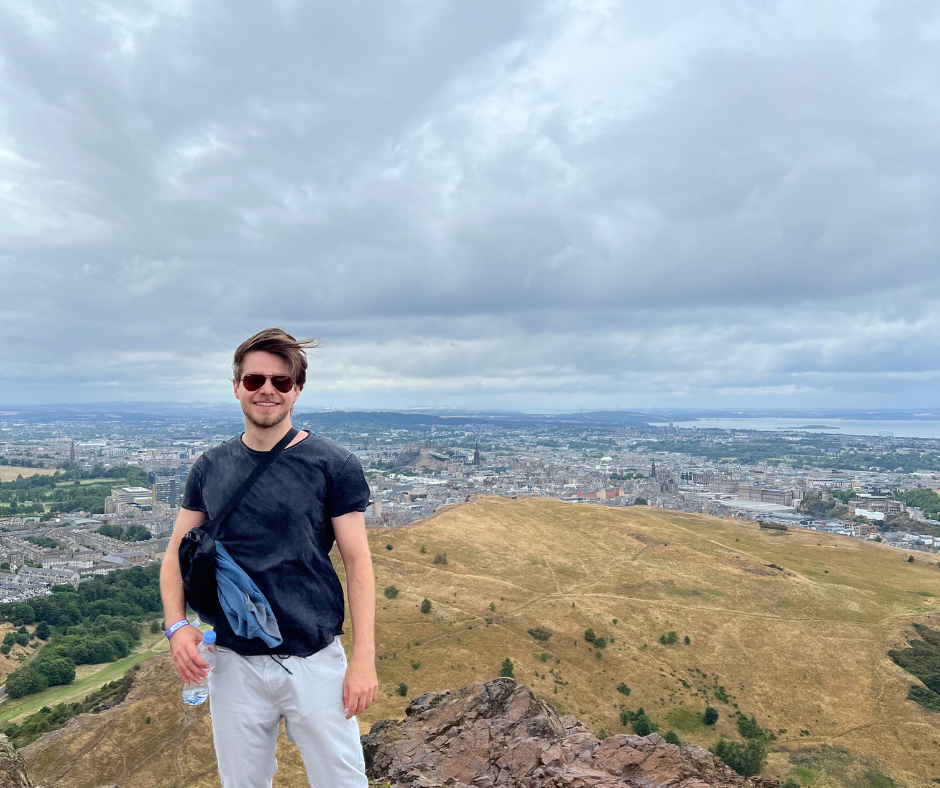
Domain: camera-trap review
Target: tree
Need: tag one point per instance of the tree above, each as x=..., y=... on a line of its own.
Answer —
x=640, y=502
x=673, y=738
x=56, y=670
x=746, y=759
x=749, y=728
x=506, y=670
x=25, y=681
x=711, y=715
x=402, y=689
x=425, y=605
x=391, y=592
x=642, y=726
x=910, y=559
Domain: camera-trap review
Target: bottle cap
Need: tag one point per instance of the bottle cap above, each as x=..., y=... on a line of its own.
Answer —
x=209, y=638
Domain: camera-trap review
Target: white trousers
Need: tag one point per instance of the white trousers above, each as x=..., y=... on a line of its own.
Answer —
x=248, y=696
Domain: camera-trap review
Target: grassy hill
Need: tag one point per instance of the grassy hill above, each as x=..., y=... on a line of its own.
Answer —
x=791, y=627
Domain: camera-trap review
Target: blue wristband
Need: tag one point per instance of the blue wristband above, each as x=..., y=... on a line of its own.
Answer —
x=173, y=628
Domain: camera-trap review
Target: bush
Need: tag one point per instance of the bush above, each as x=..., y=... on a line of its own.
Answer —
x=748, y=727
x=623, y=689
x=673, y=738
x=492, y=607
x=600, y=642
x=391, y=592
x=506, y=669
x=910, y=559
x=402, y=689
x=440, y=558
x=541, y=635
x=642, y=725
x=389, y=547
x=669, y=638
x=711, y=715
x=155, y=626
x=688, y=640
x=425, y=605
x=5, y=649
x=424, y=550
x=589, y=635
x=746, y=759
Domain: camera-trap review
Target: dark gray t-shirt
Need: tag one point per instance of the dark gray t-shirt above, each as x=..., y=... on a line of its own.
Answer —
x=281, y=535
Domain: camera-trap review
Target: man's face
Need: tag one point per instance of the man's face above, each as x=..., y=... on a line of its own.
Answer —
x=267, y=406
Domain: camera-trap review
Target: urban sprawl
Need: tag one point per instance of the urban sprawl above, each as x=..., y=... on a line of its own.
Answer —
x=844, y=484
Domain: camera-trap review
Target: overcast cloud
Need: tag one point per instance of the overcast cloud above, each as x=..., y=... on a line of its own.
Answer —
x=488, y=204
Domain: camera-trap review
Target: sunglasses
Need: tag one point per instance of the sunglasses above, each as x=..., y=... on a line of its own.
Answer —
x=282, y=383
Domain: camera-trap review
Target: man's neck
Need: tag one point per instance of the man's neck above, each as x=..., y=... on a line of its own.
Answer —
x=264, y=438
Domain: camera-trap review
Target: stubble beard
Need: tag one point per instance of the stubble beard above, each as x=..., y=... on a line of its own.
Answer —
x=268, y=421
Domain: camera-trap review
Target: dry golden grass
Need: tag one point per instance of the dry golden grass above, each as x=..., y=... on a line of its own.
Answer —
x=802, y=649
x=8, y=473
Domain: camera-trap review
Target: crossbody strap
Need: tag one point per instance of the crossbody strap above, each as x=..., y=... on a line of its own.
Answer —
x=240, y=493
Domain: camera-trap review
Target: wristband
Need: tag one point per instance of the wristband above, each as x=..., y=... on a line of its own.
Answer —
x=174, y=627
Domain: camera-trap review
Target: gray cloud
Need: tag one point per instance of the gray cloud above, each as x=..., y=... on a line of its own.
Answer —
x=488, y=204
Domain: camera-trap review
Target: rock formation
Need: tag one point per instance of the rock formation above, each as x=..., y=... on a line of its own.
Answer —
x=500, y=734
x=12, y=767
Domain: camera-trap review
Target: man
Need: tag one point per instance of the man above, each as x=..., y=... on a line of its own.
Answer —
x=280, y=534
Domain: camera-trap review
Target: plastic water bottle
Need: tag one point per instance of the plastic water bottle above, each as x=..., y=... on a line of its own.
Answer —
x=197, y=692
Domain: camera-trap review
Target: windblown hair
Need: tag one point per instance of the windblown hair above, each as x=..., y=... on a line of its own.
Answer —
x=280, y=343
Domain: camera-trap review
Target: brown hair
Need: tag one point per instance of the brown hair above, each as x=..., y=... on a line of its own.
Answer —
x=280, y=343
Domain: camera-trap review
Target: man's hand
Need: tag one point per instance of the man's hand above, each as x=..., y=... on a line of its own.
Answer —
x=189, y=664
x=360, y=686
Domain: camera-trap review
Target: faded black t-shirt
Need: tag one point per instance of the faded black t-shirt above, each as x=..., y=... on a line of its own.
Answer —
x=281, y=535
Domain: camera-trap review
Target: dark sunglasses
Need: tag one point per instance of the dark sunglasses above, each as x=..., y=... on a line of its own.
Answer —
x=282, y=383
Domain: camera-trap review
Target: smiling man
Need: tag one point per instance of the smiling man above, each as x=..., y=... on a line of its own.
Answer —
x=281, y=534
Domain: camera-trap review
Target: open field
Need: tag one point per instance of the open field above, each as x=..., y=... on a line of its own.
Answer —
x=8, y=473
x=802, y=648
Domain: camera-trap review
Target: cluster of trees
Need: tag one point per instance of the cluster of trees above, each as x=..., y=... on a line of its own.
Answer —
x=42, y=541
x=595, y=640
x=814, y=504
x=28, y=495
x=99, y=622
x=134, y=533
x=928, y=500
x=50, y=719
x=747, y=757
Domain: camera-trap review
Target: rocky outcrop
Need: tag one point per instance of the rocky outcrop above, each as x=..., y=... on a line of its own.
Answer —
x=500, y=734
x=12, y=767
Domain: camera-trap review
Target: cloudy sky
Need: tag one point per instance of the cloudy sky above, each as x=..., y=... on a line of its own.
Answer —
x=526, y=205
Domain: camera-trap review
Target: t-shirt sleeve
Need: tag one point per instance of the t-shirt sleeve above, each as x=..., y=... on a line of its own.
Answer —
x=192, y=495
x=349, y=490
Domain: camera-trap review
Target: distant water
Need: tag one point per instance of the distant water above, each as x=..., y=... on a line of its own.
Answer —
x=900, y=429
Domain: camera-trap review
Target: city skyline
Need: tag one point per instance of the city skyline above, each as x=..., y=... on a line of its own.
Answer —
x=504, y=207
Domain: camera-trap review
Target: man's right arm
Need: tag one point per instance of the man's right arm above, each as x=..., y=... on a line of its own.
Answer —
x=189, y=664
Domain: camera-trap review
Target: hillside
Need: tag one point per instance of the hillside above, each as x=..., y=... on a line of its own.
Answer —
x=803, y=648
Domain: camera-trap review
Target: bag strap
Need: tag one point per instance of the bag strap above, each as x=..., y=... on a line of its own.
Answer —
x=260, y=468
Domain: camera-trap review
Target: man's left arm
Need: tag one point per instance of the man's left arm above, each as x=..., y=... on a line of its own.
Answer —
x=360, y=686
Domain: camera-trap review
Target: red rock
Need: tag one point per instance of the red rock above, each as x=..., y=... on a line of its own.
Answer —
x=500, y=734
